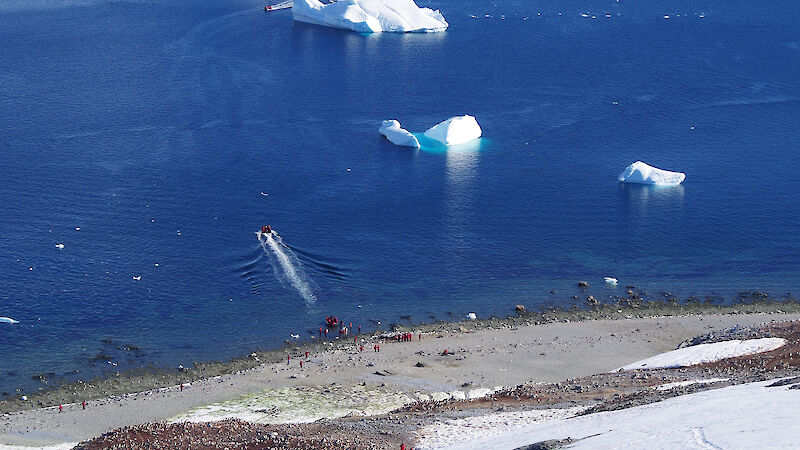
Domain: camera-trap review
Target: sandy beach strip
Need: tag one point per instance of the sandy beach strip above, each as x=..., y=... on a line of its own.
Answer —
x=475, y=361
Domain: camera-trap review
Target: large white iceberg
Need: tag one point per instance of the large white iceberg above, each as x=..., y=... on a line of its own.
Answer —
x=455, y=130
x=640, y=172
x=397, y=135
x=370, y=16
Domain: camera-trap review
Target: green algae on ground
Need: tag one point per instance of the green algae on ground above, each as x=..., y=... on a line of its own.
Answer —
x=299, y=404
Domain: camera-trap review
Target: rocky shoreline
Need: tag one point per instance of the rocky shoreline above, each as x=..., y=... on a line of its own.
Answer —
x=409, y=424
x=636, y=305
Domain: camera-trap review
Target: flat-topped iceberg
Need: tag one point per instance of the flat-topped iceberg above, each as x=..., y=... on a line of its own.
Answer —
x=455, y=130
x=370, y=16
x=640, y=172
x=397, y=135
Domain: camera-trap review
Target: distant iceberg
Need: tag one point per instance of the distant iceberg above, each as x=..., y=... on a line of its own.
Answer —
x=397, y=135
x=455, y=130
x=370, y=16
x=8, y=320
x=640, y=172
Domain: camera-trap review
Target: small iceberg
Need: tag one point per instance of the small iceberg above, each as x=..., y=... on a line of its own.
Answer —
x=455, y=130
x=472, y=316
x=611, y=280
x=370, y=16
x=8, y=320
x=397, y=135
x=642, y=173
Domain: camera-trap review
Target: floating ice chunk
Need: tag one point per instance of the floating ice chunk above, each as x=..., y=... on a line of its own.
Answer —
x=640, y=172
x=8, y=320
x=611, y=280
x=60, y=246
x=455, y=130
x=472, y=316
x=370, y=16
x=139, y=278
x=397, y=135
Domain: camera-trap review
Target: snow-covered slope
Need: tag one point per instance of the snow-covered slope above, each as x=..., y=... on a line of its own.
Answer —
x=455, y=130
x=397, y=135
x=370, y=16
x=745, y=416
x=642, y=173
x=706, y=353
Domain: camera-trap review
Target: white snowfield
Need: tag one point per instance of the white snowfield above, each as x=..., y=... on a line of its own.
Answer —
x=370, y=16
x=397, y=135
x=642, y=173
x=744, y=416
x=455, y=130
x=707, y=353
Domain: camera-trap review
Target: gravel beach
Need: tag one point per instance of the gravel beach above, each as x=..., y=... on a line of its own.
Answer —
x=345, y=381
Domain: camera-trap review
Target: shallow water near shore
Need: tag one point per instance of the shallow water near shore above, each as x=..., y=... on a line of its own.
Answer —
x=153, y=139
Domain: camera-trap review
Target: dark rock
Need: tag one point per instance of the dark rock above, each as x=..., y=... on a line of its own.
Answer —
x=551, y=444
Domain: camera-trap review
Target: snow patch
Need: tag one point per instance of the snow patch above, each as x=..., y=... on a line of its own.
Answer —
x=707, y=353
x=62, y=446
x=397, y=135
x=370, y=16
x=457, y=432
x=455, y=130
x=668, y=386
x=642, y=173
x=744, y=416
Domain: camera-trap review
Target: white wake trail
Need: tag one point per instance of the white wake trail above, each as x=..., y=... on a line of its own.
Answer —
x=286, y=265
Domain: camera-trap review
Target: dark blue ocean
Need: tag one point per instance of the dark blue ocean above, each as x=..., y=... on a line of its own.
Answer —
x=153, y=138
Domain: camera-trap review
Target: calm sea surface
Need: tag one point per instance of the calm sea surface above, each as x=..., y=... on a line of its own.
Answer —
x=153, y=138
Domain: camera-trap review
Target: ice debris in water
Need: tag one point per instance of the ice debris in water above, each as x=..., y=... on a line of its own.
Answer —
x=8, y=320
x=370, y=16
x=455, y=130
x=611, y=280
x=397, y=135
x=472, y=316
x=640, y=172
x=60, y=246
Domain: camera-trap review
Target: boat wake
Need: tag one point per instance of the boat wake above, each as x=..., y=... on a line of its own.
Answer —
x=286, y=265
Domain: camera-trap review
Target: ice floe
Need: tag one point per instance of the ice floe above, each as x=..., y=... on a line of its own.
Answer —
x=455, y=130
x=707, y=353
x=8, y=320
x=397, y=135
x=640, y=172
x=611, y=280
x=370, y=16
